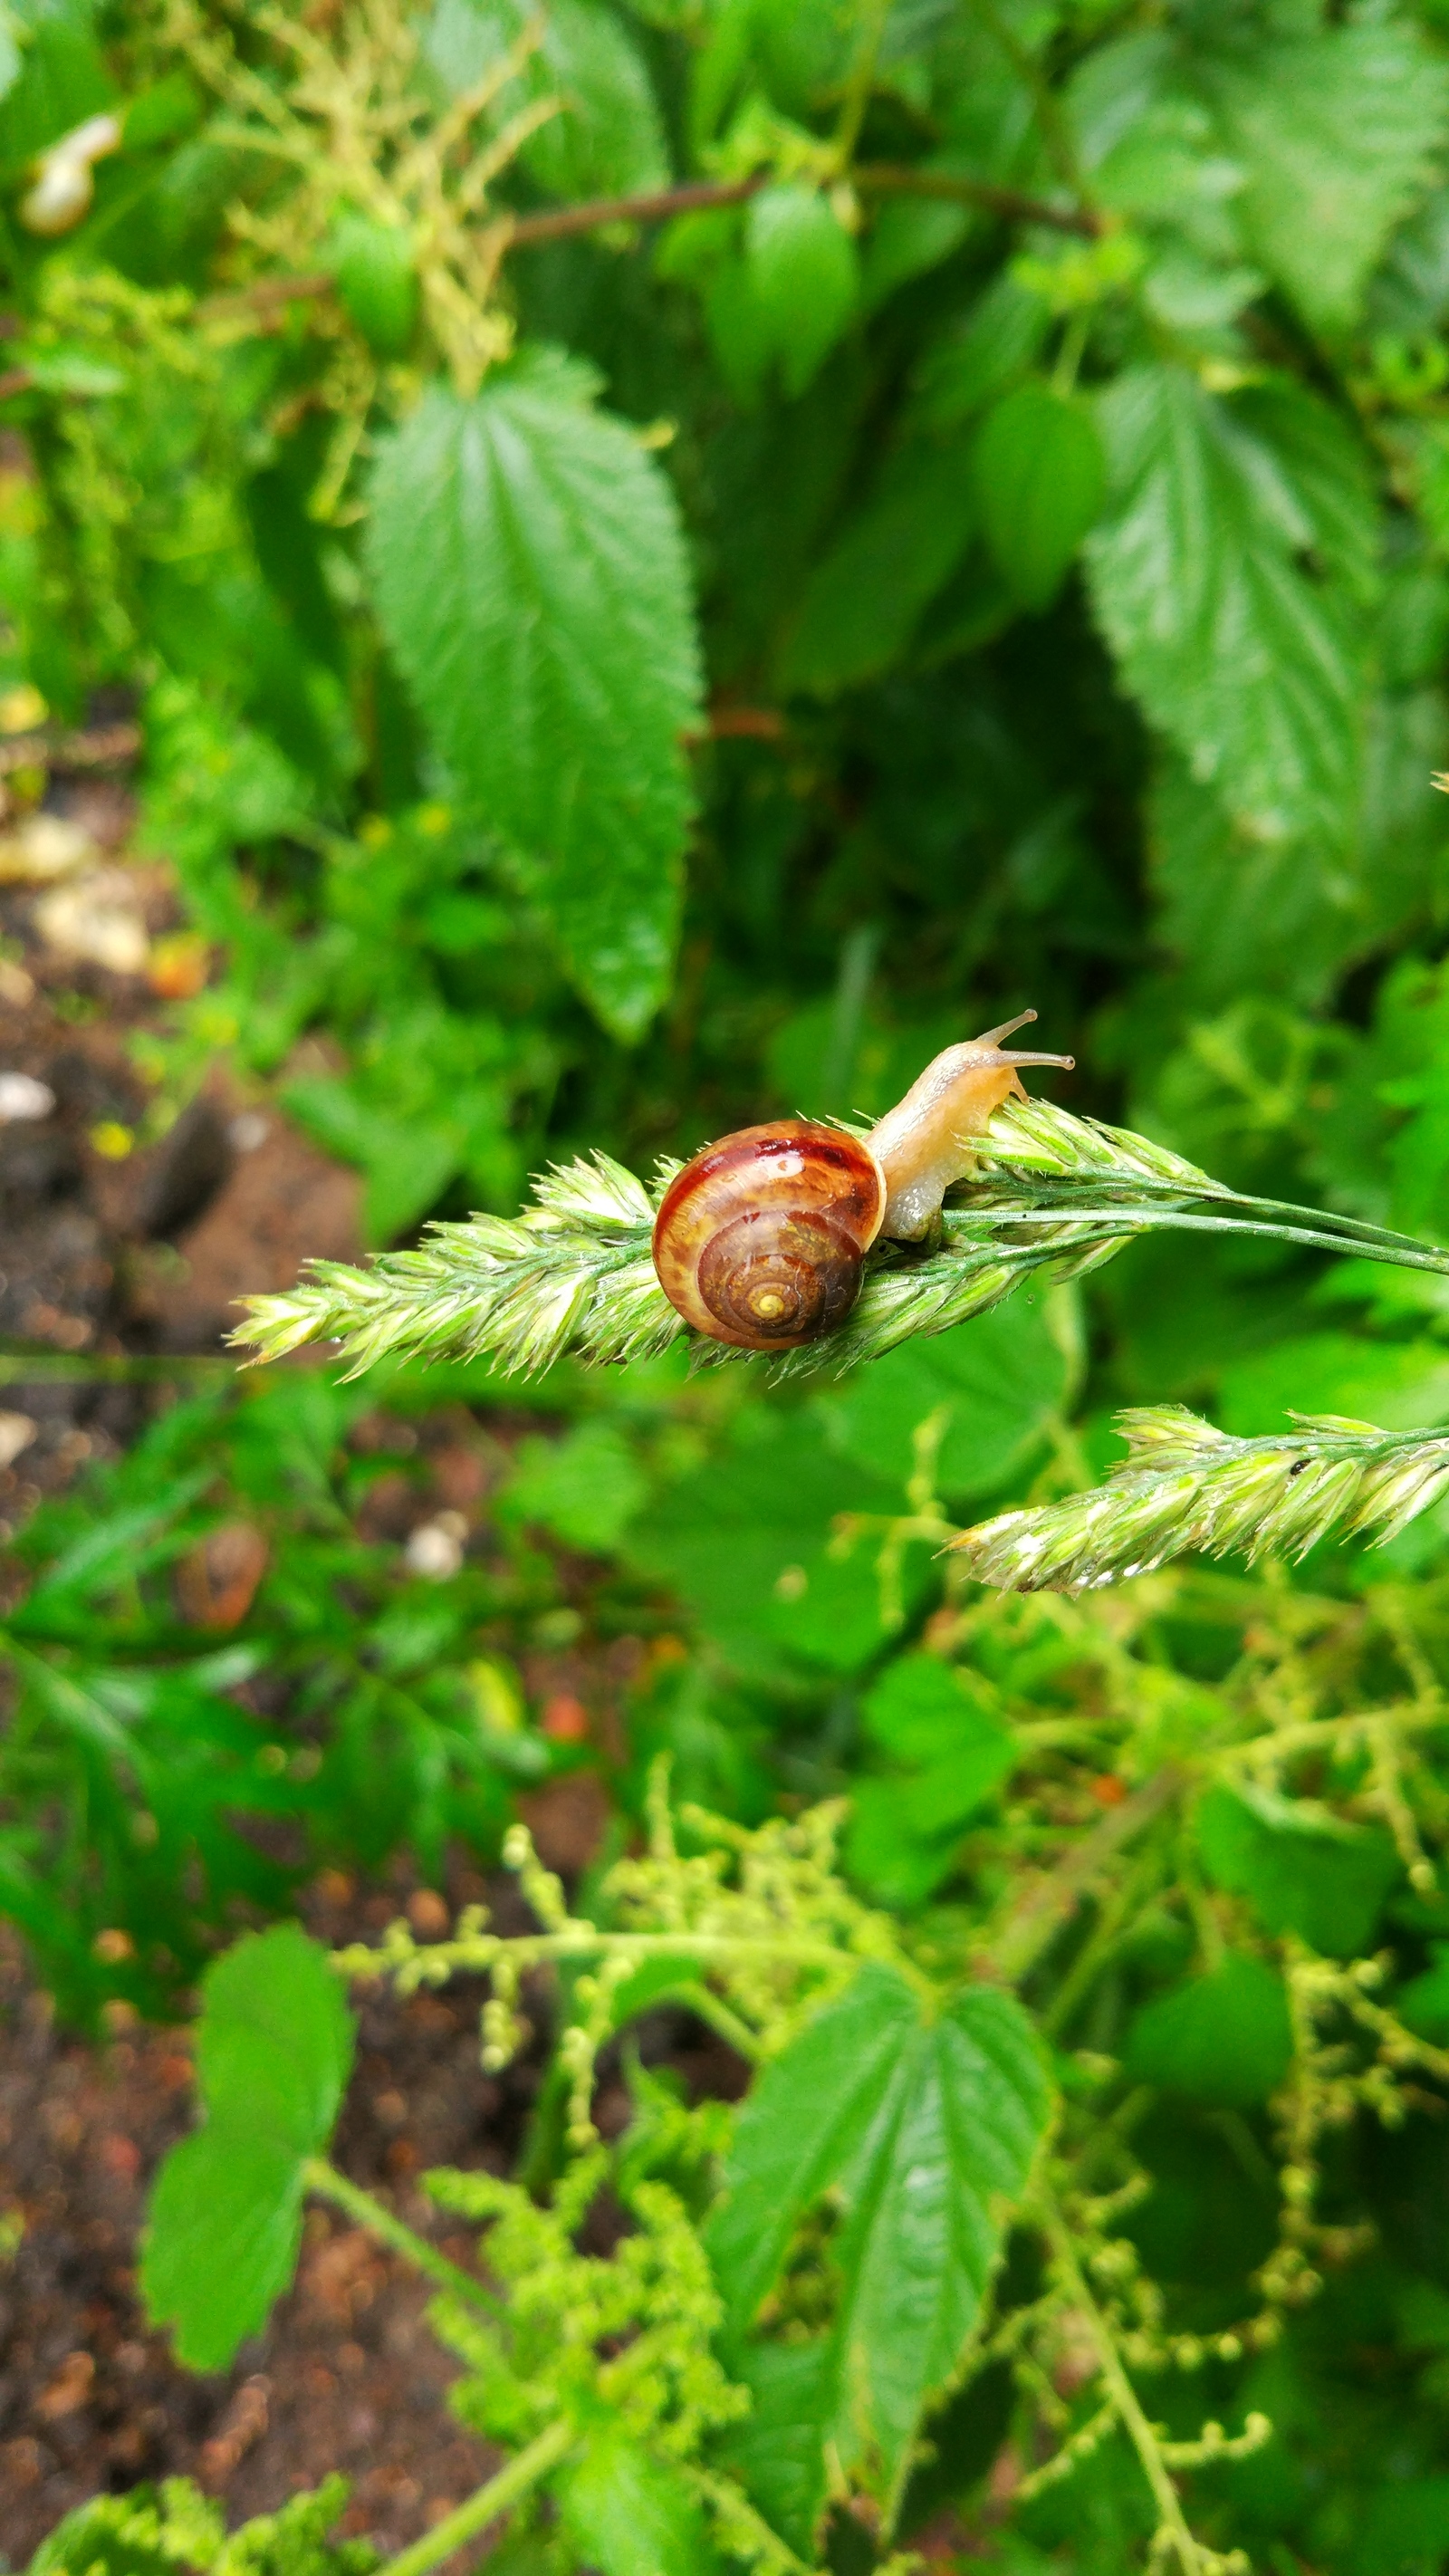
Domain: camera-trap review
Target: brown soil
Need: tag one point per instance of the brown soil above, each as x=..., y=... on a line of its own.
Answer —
x=111, y=1244
x=347, y=2375
x=107, y=1249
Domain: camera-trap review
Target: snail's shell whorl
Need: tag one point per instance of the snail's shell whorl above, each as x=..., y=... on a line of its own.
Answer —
x=760, y=1239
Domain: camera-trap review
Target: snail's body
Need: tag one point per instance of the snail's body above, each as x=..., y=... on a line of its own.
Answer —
x=761, y=1240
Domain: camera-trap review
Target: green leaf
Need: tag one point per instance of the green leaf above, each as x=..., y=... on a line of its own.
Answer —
x=1225, y=2038
x=1337, y=132
x=1403, y=1386
x=531, y=579
x=62, y=79
x=922, y=1710
x=585, y=1488
x=223, y=2234
x=993, y=1386
x=274, y=2042
x=747, y=1539
x=1307, y=1873
x=1236, y=652
x=165, y=2530
x=609, y=140
x=981, y=358
x=780, y=2160
x=273, y=2054
x=862, y=602
x=903, y=1832
x=630, y=2515
x=606, y=138
x=1242, y=913
x=376, y=279
x=408, y=1164
x=804, y=276
x=908, y=236
x=779, y=2449
x=1424, y=2002
x=928, y=2130
x=1040, y=474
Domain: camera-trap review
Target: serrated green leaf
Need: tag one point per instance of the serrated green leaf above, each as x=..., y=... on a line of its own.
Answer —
x=1235, y=651
x=610, y=139
x=530, y=576
x=630, y=2515
x=1224, y=2038
x=1040, y=477
x=1241, y=913
x=273, y=2054
x=863, y=600
x=779, y=2449
x=1301, y=1872
x=780, y=2163
x=928, y=2130
x=804, y=276
x=1337, y=133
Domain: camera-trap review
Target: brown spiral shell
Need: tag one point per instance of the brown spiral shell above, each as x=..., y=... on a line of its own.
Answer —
x=760, y=1240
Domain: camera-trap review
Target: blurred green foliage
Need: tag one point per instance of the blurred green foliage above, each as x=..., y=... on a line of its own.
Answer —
x=621, y=679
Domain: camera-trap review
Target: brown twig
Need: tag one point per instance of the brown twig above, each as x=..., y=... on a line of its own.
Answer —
x=656, y=205
x=884, y=179
x=559, y=223
x=890, y=179
x=744, y=724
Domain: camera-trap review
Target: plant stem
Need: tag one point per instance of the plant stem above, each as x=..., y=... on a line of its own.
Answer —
x=87, y=1368
x=1123, y=2395
x=1399, y=1251
x=583, y=1940
x=1033, y=1924
x=710, y=2008
x=483, y=2507
x=859, y=87
x=329, y=2184
x=872, y=179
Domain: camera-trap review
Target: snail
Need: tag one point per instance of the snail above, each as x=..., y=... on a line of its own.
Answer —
x=761, y=1240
